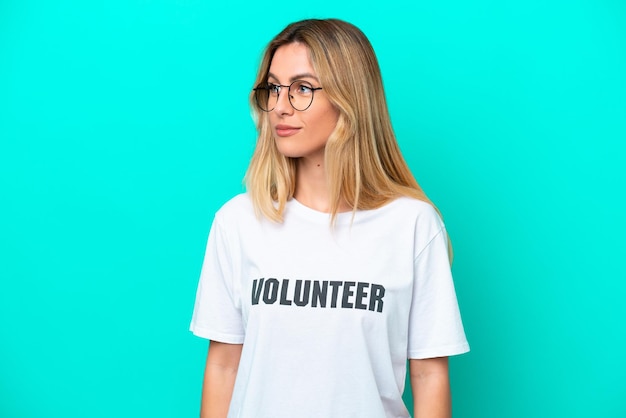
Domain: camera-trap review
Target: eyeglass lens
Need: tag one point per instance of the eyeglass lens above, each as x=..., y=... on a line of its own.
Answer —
x=300, y=95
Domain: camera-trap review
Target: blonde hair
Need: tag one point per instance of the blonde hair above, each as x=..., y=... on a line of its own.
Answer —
x=363, y=163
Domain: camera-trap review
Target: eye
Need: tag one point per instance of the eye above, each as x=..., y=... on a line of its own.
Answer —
x=302, y=88
x=274, y=89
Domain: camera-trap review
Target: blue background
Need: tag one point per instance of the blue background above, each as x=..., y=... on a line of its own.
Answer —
x=124, y=125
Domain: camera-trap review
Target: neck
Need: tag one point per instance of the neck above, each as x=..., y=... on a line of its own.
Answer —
x=312, y=186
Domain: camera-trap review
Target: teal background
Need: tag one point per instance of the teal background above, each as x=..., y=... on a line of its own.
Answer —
x=124, y=125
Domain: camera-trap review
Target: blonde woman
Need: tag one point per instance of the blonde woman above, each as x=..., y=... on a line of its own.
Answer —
x=333, y=269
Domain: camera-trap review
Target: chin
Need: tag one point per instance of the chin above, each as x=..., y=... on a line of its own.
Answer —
x=290, y=154
x=294, y=149
x=288, y=150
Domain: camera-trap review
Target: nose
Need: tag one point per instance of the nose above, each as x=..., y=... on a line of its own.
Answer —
x=283, y=106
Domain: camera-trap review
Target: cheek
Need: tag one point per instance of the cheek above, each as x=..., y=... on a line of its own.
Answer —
x=272, y=119
x=330, y=121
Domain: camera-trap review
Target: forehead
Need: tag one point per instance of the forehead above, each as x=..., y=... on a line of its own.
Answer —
x=290, y=62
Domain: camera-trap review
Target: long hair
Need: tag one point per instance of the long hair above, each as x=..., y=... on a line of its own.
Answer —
x=363, y=163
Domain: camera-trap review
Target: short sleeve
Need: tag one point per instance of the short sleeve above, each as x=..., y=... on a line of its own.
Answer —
x=435, y=326
x=217, y=310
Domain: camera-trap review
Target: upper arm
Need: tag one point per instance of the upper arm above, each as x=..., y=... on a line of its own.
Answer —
x=422, y=368
x=217, y=313
x=430, y=384
x=224, y=356
x=219, y=378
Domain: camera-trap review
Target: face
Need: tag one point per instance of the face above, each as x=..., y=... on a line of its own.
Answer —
x=299, y=134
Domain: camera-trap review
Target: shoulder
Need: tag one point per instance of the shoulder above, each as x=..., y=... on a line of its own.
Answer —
x=238, y=208
x=419, y=217
x=422, y=213
x=241, y=201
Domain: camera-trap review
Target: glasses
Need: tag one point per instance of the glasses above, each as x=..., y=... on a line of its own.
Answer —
x=300, y=94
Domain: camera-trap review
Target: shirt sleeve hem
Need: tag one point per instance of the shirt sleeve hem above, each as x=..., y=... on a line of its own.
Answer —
x=446, y=351
x=216, y=336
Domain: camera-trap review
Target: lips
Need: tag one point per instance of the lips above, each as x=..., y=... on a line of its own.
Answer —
x=286, y=130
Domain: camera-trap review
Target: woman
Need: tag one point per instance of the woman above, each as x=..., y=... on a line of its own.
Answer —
x=333, y=268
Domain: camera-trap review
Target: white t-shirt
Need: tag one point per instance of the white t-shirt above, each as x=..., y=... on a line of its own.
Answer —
x=327, y=315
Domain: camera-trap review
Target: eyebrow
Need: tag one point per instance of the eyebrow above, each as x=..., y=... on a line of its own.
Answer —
x=296, y=77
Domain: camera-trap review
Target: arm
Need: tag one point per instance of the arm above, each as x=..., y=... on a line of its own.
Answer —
x=430, y=384
x=219, y=379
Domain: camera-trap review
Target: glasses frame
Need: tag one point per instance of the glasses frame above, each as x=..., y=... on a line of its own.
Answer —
x=266, y=87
